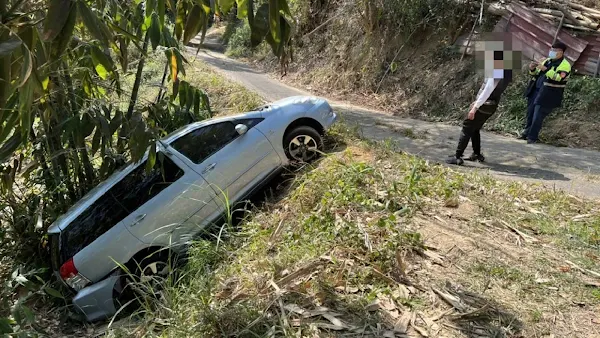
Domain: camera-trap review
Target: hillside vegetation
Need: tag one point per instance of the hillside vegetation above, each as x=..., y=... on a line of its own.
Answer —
x=370, y=242
x=344, y=48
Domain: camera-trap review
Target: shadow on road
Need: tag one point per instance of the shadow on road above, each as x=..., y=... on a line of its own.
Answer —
x=526, y=172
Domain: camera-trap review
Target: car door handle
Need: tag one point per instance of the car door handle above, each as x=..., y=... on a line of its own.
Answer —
x=138, y=219
x=209, y=168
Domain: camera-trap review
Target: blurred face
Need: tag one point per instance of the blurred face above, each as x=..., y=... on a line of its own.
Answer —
x=496, y=56
x=556, y=53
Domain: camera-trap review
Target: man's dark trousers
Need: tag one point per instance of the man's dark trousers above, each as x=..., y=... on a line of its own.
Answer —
x=530, y=112
x=539, y=114
x=471, y=131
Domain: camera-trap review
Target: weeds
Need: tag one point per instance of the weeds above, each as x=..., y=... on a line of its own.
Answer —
x=345, y=247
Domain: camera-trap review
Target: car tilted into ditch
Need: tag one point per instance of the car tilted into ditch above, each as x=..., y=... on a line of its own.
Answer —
x=132, y=219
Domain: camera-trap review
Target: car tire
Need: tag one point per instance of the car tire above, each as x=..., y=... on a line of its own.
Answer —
x=303, y=144
x=149, y=273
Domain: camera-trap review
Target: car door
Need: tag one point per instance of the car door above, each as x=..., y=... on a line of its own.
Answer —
x=167, y=204
x=231, y=163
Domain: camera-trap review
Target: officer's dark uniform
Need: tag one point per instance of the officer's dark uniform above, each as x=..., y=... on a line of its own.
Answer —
x=544, y=93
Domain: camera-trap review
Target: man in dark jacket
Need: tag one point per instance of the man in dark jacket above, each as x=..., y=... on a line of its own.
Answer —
x=545, y=90
x=486, y=104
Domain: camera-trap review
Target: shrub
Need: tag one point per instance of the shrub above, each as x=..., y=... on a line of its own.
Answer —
x=239, y=43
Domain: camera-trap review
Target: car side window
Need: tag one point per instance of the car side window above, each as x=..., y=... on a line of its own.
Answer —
x=199, y=144
x=123, y=198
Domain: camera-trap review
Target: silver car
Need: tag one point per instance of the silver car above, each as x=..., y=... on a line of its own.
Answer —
x=134, y=217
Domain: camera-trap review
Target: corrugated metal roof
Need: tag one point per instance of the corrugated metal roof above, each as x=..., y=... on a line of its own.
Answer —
x=536, y=34
x=588, y=61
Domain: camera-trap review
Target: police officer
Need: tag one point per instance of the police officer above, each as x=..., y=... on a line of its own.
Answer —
x=545, y=90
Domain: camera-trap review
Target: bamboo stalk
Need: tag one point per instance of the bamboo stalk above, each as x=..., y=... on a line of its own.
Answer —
x=574, y=18
x=579, y=28
x=579, y=7
x=570, y=15
x=580, y=23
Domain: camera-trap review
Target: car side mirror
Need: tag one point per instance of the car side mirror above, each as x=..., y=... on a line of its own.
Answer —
x=241, y=129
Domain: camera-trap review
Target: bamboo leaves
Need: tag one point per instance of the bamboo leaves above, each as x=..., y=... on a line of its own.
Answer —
x=180, y=19
x=96, y=27
x=274, y=20
x=226, y=5
x=64, y=36
x=55, y=18
x=102, y=63
x=260, y=29
x=269, y=24
x=26, y=67
x=25, y=111
x=175, y=60
x=155, y=31
x=193, y=24
x=7, y=47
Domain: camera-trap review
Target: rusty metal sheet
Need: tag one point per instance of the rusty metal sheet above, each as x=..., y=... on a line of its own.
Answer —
x=588, y=61
x=538, y=33
x=547, y=27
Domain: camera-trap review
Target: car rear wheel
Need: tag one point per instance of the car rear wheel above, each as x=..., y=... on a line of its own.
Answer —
x=148, y=274
x=303, y=144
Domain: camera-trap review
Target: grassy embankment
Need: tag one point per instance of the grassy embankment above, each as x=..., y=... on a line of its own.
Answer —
x=373, y=242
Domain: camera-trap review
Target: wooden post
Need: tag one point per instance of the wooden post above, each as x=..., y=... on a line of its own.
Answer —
x=560, y=24
x=508, y=22
x=473, y=30
x=597, y=66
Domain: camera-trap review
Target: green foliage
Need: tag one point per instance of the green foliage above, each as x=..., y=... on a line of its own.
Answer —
x=60, y=133
x=239, y=43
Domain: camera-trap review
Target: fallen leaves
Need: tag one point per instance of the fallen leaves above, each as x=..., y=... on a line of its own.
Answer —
x=564, y=268
x=433, y=256
x=334, y=323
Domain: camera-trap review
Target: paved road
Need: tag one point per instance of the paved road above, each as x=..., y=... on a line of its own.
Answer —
x=576, y=171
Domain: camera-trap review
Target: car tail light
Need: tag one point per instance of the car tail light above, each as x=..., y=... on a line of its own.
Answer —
x=69, y=273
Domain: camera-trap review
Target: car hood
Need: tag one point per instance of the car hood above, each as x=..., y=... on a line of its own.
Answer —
x=300, y=100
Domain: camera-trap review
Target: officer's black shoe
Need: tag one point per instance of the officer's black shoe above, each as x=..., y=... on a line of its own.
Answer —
x=532, y=141
x=522, y=137
x=455, y=160
x=476, y=158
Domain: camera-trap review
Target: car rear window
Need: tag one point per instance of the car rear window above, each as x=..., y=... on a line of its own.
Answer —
x=117, y=203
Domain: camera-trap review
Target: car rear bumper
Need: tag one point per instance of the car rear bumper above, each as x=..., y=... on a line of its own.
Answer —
x=96, y=301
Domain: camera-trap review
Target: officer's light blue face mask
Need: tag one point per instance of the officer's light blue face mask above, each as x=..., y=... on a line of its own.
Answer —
x=553, y=54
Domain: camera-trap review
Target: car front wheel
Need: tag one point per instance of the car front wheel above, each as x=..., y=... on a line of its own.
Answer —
x=303, y=144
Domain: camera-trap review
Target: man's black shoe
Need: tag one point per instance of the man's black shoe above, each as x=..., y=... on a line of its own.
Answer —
x=531, y=142
x=522, y=137
x=476, y=158
x=455, y=160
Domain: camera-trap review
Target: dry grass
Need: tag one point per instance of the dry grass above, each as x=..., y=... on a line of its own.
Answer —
x=226, y=97
x=375, y=243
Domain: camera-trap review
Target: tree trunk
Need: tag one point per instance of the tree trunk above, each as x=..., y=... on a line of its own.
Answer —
x=162, y=82
x=53, y=161
x=51, y=181
x=88, y=169
x=54, y=132
x=138, y=78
